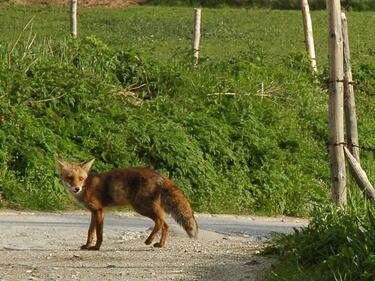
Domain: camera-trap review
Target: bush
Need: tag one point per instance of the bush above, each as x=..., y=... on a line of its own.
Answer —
x=337, y=245
x=243, y=153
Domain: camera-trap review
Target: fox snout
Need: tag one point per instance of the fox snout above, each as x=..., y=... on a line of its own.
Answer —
x=77, y=189
x=73, y=189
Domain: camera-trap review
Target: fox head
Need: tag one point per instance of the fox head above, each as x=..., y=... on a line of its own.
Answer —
x=73, y=175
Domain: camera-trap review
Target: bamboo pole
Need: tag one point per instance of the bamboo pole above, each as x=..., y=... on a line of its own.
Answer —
x=308, y=31
x=360, y=176
x=349, y=100
x=336, y=104
x=73, y=18
x=196, y=35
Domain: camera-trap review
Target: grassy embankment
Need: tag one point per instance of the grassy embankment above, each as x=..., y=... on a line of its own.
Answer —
x=130, y=97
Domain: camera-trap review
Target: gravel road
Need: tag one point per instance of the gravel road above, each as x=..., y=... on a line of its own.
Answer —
x=45, y=246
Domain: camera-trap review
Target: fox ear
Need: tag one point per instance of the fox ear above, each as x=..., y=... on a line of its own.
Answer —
x=60, y=163
x=87, y=165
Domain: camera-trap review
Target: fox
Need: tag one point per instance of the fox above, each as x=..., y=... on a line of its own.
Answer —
x=147, y=191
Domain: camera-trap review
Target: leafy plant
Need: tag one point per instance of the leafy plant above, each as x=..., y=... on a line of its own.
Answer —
x=337, y=244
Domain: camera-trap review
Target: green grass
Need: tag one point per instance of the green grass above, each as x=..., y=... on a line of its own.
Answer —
x=166, y=31
x=361, y=5
x=236, y=154
x=337, y=245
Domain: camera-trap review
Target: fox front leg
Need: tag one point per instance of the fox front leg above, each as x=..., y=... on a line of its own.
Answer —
x=98, y=217
x=90, y=234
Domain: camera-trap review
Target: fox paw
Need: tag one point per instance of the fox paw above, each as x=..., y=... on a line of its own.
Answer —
x=89, y=248
x=158, y=245
x=148, y=242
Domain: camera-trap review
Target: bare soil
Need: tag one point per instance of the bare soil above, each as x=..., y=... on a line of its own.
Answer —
x=50, y=251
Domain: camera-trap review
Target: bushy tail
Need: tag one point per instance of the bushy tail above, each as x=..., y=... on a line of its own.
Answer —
x=175, y=203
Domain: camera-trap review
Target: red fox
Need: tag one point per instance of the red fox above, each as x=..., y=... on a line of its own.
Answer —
x=148, y=192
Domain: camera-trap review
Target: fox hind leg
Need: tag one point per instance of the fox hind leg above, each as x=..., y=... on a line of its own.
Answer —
x=159, y=224
x=155, y=230
x=157, y=215
x=164, y=234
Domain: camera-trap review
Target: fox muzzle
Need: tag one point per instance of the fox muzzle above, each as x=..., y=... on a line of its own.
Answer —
x=76, y=189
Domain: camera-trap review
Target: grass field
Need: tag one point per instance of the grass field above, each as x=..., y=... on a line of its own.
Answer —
x=166, y=31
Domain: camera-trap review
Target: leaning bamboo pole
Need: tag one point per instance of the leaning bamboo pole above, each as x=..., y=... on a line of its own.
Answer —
x=73, y=18
x=360, y=177
x=308, y=31
x=336, y=104
x=349, y=100
x=196, y=35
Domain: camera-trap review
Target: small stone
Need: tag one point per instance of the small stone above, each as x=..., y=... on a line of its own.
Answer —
x=252, y=262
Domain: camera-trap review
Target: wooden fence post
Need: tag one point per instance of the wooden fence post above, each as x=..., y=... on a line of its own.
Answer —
x=73, y=18
x=360, y=177
x=349, y=100
x=308, y=31
x=196, y=35
x=336, y=104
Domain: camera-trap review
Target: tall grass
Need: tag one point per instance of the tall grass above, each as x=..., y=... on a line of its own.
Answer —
x=338, y=244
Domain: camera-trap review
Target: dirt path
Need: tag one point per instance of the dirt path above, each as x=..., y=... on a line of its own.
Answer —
x=45, y=247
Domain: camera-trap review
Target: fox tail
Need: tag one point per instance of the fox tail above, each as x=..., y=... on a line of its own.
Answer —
x=175, y=203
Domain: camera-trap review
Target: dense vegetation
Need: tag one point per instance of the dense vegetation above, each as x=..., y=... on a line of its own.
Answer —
x=337, y=245
x=132, y=98
x=230, y=153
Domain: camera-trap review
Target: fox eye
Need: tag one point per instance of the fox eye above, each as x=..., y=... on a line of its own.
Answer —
x=81, y=178
x=70, y=177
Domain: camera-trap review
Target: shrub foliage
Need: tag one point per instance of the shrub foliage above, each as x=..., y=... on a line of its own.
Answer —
x=244, y=152
x=338, y=244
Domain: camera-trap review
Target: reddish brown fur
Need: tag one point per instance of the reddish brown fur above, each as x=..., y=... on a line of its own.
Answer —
x=148, y=192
